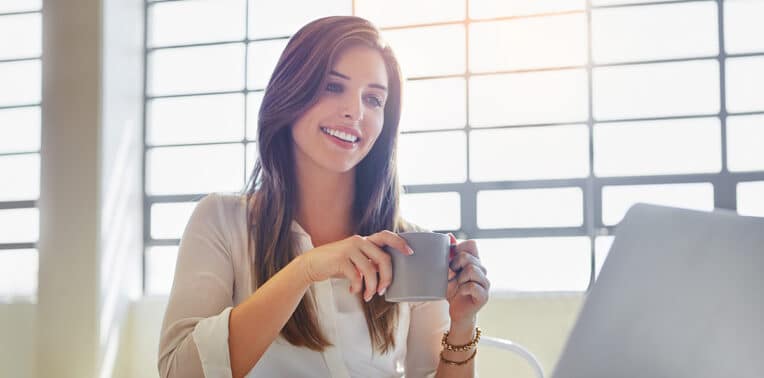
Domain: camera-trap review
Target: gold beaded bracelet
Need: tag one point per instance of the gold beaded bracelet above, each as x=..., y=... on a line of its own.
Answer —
x=460, y=348
x=458, y=363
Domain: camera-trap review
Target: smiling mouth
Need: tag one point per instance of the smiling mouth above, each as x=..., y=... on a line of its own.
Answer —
x=345, y=137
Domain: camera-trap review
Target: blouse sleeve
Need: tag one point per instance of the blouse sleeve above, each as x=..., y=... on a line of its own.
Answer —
x=429, y=320
x=194, y=335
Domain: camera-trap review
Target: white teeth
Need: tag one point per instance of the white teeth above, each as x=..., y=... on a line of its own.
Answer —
x=341, y=135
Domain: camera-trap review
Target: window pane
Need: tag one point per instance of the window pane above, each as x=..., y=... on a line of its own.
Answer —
x=529, y=208
x=528, y=98
x=434, y=104
x=18, y=274
x=433, y=211
x=656, y=90
x=404, y=12
x=492, y=8
x=196, y=169
x=750, y=198
x=742, y=24
x=196, y=69
x=745, y=143
x=654, y=32
x=262, y=60
x=198, y=21
x=537, y=264
x=251, y=157
x=429, y=51
x=8, y=6
x=22, y=173
x=602, y=246
x=168, y=220
x=254, y=100
x=524, y=43
x=21, y=83
x=745, y=84
x=20, y=129
x=160, y=269
x=196, y=119
x=529, y=153
x=432, y=158
x=22, y=36
x=19, y=225
x=283, y=18
x=616, y=200
x=657, y=147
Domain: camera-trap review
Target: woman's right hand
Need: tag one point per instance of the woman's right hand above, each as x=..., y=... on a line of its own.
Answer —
x=359, y=259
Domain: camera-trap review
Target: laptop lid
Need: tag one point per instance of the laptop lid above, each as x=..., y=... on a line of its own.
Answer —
x=681, y=294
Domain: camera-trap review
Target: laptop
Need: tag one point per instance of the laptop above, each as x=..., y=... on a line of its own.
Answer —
x=681, y=294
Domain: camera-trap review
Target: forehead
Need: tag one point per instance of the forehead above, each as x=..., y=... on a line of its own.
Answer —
x=361, y=63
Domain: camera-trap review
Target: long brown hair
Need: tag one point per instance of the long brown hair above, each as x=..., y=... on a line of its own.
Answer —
x=294, y=87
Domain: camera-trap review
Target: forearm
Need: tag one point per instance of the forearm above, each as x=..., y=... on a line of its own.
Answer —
x=255, y=323
x=459, y=334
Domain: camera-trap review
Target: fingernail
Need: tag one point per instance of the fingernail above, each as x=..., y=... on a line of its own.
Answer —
x=382, y=291
x=367, y=298
x=410, y=251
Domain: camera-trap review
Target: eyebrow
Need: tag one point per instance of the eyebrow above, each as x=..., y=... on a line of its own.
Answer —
x=373, y=85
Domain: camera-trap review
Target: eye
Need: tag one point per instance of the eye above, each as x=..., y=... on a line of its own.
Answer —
x=375, y=101
x=334, y=87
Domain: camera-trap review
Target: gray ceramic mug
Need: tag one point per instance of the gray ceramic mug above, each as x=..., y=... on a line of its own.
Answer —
x=422, y=276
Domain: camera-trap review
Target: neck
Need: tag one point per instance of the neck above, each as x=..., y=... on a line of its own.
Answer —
x=325, y=204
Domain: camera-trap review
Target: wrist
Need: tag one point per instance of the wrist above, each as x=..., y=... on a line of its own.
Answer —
x=461, y=333
x=301, y=270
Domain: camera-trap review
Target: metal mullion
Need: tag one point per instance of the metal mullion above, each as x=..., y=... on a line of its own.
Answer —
x=658, y=179
x=162, y=243
x=663, y=118
x=497, y=185
x=165, y=198
x=469, y=20
x=740, y=55
x=654, y=61
x=24, y=59
x=644, y=4
x=8, y=107
x=176, y=95
x=746, y=176
x=155, y=146
x=5, y=154
x=468, y=191
x=538, y=232
x=200, y=44
x=19, y=13
x=146, y=205
x=246, y=86
x=761, y=112
x=526, y=16
x=724, y=189
x=592, y=193
x=12, y=246
x=8, y=205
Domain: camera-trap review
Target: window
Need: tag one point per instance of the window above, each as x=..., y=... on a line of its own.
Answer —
x=20, y=97
x=528, y=125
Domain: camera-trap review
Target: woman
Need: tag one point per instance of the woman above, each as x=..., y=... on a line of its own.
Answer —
x=278, y=282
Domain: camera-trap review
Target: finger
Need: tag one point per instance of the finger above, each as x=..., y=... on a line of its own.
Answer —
x=353, y=275
x=383, y=263
x=463, y=259
x=369, y=272
x=383, y=238
x=478, y=293
x=469, y=246
x=472, y=273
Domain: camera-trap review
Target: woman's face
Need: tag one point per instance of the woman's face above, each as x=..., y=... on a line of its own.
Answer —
x=338, y=131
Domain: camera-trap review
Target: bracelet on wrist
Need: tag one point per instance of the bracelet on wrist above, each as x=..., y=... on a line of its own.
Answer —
x=461, y=348
x=457, y=363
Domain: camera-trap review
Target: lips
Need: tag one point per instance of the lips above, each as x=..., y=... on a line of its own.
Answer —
x=345, y=129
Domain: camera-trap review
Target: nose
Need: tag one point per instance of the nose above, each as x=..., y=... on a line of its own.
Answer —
x=352, y=109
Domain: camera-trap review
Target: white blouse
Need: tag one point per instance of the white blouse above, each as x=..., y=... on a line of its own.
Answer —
x=213, y=274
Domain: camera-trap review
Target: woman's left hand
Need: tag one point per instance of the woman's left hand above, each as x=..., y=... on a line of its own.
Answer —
x=467, y=283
